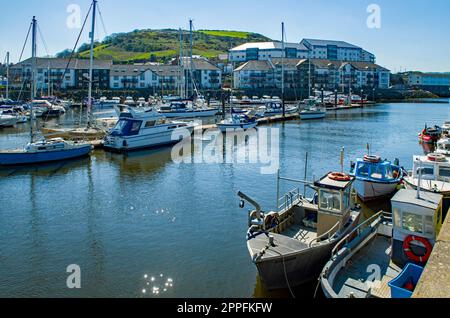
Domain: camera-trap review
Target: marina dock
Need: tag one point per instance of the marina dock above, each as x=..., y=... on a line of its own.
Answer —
x=435, y=280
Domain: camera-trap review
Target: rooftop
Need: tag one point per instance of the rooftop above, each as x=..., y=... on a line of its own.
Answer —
x=342, y=44
x=269, y=46
x=427, y=199
x=255, y=66
x=61, y=63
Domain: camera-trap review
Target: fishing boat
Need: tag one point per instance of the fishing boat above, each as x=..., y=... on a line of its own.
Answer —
x=375, y=178
x=446, y=127
x=443, y=147
x=140, y=128
x=275, y=108
x=373, y=261
x=290, y=247
x=43, y=150
x=432, y=173
x=7, y=120
x=430, y=134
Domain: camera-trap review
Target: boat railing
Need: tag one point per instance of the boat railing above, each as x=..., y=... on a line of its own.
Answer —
x=289, y=200
x=378, y=218
x=327, y=235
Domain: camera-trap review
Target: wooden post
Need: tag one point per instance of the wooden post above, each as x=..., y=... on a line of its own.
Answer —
x=223, y=105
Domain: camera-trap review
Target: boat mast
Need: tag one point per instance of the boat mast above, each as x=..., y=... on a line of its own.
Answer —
x=282, y=68
x=309, y=73
x=33, y=76
x=48, y=80
x=190, y=56
x=181, y=64
x=7, y=75
x=91, y=64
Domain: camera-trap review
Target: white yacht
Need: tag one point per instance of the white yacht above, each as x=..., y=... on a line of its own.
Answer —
x=7, y=120
x=144, y=128
x=237, y=122
x=273, y=109
x=104, y=102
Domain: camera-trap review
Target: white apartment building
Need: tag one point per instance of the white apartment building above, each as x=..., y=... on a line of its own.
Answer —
x=428, y=79
x=266, y=50
x=61, y=72
x=337, y=51
x=326, y=74
x=308, y=48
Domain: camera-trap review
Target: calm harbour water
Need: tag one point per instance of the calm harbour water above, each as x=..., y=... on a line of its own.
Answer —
x=122, y=217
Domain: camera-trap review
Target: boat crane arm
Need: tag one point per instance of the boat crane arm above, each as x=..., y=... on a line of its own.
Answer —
x=252, y=202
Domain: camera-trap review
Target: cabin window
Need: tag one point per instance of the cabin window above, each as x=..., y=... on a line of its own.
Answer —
x=444, y=172
x=135, y=127
x=412, y=222
x=397, y=218
x=363, y=170
x=377, y=172
x=427, y=172
x=330, y=201
x=429, y=225
x=150, y=123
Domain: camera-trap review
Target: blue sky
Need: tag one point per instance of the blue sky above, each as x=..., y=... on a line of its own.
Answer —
x=414, y=34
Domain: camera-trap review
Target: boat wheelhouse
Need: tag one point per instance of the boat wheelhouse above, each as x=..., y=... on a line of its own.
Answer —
x=384, y=244
x=290, y=246
x=375, y=178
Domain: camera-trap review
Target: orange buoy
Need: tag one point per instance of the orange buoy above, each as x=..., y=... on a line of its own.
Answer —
x=339, y=176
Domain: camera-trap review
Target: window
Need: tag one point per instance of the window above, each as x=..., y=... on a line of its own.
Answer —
x=150, y=123
x=412, y=222
x=330, y=200
x=444, y=172
x=397, y=218
x=427, y=172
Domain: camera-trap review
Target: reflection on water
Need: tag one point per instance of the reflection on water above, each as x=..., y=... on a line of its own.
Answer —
x=120, y=217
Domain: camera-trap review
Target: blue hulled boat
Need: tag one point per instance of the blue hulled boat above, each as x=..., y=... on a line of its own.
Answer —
x=375, y=178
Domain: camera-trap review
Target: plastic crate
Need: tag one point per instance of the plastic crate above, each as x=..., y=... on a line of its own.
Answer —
x=411, y=273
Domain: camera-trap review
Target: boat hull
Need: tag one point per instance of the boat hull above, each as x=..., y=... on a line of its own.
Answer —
x=126, y=144
x=289, y=111
x=369, y=190
x=8, y=122
x=315, y=115
x=23, y=158
x=232, y=127
x=299, y=268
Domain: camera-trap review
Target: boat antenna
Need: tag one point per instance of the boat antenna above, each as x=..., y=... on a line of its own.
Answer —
x=368, y=148
x=91, y=65
x=342, y=159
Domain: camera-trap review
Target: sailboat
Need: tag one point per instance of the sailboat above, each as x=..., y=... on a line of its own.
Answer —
x=91, y=131
x=188, y=108
x=44, y=150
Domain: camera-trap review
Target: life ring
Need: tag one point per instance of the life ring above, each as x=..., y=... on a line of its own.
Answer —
x=435, y=157
x=338, y=176
x=373, y=159
x=409, y=252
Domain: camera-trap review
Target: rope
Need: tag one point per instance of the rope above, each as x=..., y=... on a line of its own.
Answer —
x=74, y=48
x=102, y=21
x=42, y=39
x=25, y=44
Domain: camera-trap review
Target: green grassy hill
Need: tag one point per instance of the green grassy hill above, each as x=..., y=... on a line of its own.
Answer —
x=162, y=45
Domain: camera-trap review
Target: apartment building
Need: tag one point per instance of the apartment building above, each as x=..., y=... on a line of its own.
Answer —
x=61, y=73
